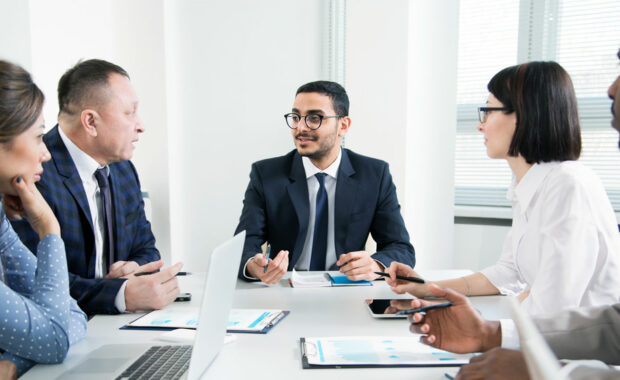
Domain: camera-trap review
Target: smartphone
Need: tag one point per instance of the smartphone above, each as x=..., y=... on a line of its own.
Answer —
x=378, y=308
x=183, y=297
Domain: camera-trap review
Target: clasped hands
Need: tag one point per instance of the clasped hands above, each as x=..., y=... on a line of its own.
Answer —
x=358, y=265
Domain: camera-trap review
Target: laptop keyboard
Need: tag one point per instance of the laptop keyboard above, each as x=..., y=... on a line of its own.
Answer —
x=160, y=362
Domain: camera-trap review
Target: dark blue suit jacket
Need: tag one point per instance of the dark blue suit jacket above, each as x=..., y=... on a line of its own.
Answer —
x=62, y=188
x=276, y=209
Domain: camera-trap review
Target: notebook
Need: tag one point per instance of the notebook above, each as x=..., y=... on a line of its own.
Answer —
x=111, y=361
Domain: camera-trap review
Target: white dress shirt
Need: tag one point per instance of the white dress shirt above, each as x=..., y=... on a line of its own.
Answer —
x=86, y=167
x=564, y=245
x=313, y=187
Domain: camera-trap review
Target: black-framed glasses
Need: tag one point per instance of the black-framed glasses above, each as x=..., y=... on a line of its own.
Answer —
x=313, y=120
x=483, y=112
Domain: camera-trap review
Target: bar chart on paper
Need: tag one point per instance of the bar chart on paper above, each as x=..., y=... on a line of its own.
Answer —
x=377, y=351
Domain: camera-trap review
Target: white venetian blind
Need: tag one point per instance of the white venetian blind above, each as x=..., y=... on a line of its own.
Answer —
x=583, y=36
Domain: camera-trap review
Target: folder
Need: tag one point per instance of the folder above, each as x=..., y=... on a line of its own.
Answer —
x=374, y=351
x=254, y=321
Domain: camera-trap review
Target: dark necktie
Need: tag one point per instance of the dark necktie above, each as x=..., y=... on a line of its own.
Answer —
x=319, y=240
x=106, y=206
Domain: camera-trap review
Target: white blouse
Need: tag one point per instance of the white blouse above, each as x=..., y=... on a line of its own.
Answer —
x=564, y=244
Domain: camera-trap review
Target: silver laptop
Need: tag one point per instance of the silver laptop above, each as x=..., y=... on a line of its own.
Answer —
x=541, y=362
x=144, y=361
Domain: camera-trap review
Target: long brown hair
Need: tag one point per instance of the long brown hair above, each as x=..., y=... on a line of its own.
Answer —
x=21, y=101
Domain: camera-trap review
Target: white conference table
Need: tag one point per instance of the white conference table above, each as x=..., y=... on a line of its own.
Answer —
x=276, y=355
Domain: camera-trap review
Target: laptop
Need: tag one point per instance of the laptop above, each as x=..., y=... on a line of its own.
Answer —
x=541, y=362
x=145, y=361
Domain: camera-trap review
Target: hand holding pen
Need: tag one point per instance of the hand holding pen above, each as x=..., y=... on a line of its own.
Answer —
x=403, y=279
x=268, y=270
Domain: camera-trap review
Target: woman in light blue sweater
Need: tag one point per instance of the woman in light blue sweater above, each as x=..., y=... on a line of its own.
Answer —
x=38, y=318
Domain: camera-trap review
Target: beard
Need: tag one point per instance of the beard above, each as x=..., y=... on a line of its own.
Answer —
x=326, y=145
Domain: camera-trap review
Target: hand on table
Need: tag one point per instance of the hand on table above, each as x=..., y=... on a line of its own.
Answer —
x=458, y=328
x=153, y=291
x=276, y=268
x=359, y=265
x=498, y=364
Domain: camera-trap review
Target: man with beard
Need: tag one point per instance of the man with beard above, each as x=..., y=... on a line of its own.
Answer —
x=316, y=205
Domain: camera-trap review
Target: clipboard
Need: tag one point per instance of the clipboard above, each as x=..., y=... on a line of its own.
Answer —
x=307, y=348
x=262, y=326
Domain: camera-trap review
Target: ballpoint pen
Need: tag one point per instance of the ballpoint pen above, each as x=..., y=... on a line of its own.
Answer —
x=406, y=278
x=424, y=308
x=267, y=254
x=147, y=273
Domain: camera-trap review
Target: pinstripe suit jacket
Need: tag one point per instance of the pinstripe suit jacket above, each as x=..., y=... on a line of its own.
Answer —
x=62, y=188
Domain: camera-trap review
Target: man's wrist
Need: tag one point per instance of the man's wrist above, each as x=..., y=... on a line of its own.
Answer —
x=491, y=335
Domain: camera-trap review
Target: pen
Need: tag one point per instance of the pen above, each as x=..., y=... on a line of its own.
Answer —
x=147, y=273
x=267, y=254
x=448, y=376
x=424, y=308
x=406, y=278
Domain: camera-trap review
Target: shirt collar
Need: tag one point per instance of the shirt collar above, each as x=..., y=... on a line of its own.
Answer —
x=85, y=164
x=331, y=170
x=524, y=191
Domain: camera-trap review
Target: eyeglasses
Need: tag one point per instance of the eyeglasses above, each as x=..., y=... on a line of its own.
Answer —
x=313, y=120
x=484, y=111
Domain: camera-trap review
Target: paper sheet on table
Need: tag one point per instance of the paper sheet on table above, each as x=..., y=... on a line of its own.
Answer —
x=310, y=280
x=322, y=279
x=376, y=351
x=239, y=320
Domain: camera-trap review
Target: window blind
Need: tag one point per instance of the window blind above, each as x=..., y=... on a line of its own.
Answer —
x=583, y=36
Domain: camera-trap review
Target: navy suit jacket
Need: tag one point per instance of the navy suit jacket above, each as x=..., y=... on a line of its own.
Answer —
x=276, y=209
x=62, y=188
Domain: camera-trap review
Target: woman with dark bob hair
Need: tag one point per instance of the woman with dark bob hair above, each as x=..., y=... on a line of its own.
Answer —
x=563, y=249
x=38, y=317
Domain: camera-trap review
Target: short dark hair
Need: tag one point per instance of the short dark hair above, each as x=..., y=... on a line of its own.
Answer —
x=77, y=86
x=337, y=93
x=21, y=101
x=543, y=98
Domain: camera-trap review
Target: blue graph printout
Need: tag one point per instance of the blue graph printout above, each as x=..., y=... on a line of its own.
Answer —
x=374, y=350
x=249, y=320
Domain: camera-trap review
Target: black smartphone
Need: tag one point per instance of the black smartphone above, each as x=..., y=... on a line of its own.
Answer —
x=183, y=297
x=380, y=308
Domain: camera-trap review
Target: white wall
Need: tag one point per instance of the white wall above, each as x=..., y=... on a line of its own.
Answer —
x=215, y=78
x=15, y=36
x=401, y=76
x=233, y=68
x=59, y=33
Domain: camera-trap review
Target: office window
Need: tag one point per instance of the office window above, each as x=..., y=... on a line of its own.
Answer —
x=583, y=36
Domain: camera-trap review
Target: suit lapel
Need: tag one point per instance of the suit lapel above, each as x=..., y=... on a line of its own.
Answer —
x=346, y=193
x=66, y=168
x=72, y=181
x=297, y=190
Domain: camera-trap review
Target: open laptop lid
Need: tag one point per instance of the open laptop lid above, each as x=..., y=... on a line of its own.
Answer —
x=216, y=303
x=541, y=362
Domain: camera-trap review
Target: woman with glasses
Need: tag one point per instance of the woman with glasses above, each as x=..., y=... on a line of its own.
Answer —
x=563, y=249
x=38, y=317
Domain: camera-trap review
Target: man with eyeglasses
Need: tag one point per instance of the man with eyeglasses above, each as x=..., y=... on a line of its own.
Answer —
x=316, y=205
